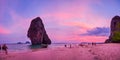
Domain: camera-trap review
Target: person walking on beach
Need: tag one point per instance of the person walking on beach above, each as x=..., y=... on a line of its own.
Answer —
x=65, y=45
x=93, y=43
x=4, y=47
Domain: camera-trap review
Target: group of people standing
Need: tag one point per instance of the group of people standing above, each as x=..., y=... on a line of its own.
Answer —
x=4, y=48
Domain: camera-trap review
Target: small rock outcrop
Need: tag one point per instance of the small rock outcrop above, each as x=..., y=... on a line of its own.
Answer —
x=115, y=31
x=37, y=33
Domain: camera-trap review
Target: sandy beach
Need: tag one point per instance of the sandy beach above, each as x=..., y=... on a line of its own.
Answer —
x=87, y=52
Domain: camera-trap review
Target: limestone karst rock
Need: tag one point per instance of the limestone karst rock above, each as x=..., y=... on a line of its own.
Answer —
x=115, y=30
x=37, y=33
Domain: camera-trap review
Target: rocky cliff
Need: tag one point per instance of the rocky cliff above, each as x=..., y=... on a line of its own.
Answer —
x=37, y=33
x=115, y=30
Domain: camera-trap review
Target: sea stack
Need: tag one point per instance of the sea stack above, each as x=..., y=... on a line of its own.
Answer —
x=37, y=33
x=115, y=31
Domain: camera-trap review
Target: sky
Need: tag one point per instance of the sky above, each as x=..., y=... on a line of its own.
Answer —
x=64, y=20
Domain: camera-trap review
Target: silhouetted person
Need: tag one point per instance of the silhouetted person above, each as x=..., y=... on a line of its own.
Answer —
x=4, y=47
x=65, y=45
x=93, y=43
x=81, y=45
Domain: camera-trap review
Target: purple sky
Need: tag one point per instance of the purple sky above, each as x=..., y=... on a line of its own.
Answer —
x=64, y=20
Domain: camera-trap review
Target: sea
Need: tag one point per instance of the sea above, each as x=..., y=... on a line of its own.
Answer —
x=19, y=48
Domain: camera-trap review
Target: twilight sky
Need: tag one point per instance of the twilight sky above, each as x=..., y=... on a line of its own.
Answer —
x=64, y=20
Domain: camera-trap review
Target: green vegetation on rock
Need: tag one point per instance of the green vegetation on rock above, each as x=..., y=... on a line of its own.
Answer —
x=116, y=37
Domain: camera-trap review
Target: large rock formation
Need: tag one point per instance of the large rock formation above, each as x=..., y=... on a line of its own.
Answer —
x=37, y=33
x=115, y=30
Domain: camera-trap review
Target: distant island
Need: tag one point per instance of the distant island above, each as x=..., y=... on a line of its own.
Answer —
x=19, y=43
x=27, y=42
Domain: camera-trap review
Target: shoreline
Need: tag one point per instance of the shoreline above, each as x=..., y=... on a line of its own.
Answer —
x=96, y=52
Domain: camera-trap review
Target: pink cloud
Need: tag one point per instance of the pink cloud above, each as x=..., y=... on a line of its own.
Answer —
x=4, y=30
x=69, y=37
x=81, y=11
x=90, y=38
x=69, y=21
x=85, y=22
x=19, y=22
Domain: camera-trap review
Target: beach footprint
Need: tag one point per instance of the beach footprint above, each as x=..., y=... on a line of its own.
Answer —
x=96, y=58
x=92, y=52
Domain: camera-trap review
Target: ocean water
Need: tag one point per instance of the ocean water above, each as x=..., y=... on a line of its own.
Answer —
x=27, y=47
x=18, y=48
